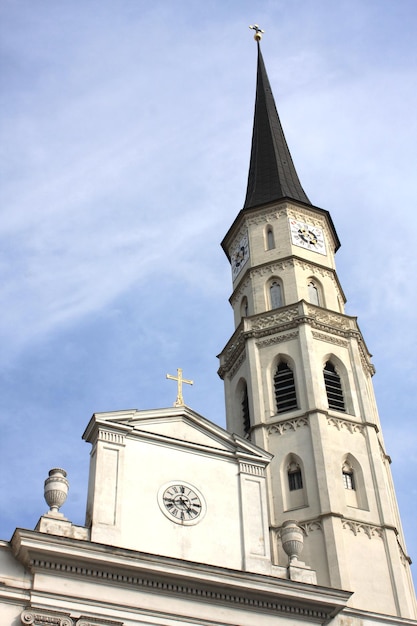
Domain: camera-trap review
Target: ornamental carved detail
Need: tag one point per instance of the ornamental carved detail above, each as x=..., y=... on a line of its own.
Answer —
x=233, y=347
x=342, y=424
x=329, y=318
x=43, y=617
x=266, y=216
x=236, y=364
x=272, y=268
x=249, y=468
x=305, y=215
x=280, y=428
x=311, y=526
x=276, y=339
x=96, y=621
x=315, y=269
x=283, y=606
x=330, y=339
x=111, y=437
x=275, y=318
x=238, y=294
x=359, y=527
x=365, y=359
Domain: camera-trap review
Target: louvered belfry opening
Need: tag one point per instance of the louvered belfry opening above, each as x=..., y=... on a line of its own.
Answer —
x=285, y=394
x=333, y=388
x=245, y=411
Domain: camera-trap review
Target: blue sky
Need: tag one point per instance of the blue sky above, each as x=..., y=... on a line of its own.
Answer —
x=125, y=133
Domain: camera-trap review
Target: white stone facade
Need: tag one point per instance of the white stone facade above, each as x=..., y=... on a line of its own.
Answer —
x=343, y=527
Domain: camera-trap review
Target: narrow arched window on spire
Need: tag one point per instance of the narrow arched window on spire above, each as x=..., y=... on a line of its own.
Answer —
x=284, y=384
x=295, y=477
x=333, y=388
x=275, y=294
x=244, y=307
x=348, y=477
x=313, y=293
x=270, y=241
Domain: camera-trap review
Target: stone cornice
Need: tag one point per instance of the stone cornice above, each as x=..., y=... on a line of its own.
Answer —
x=292, y=424
x=63, y=557
x=333, y=326
x=357, y=527
x=47, y=617
x=278, y=265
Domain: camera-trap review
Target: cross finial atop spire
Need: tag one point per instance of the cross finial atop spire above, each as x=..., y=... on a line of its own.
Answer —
x=258, y=32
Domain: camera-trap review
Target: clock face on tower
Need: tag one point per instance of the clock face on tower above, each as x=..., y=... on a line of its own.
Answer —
x=182, y=503
x=240, y=254
x=307, y=236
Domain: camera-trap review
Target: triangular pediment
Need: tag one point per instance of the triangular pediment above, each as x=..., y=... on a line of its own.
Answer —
x=178, y=426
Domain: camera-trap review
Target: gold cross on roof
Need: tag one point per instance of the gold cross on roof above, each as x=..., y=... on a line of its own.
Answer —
x=180, y=400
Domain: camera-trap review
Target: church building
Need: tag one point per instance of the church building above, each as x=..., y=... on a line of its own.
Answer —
x=286, y=517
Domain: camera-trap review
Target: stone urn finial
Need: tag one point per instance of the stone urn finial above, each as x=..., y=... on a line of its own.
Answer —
x=292, y=540
x=56, y=489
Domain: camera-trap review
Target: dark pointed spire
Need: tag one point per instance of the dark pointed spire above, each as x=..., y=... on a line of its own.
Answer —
x=272, y=174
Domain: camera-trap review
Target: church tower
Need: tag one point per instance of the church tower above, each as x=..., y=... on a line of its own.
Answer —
x=297, y=376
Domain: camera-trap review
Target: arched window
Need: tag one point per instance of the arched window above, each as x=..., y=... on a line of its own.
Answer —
x=275, y=294
x=294, y=492
x=270, y=241
x=333, y=388
x=353, y=483
x=284, y=384
x=348, y=476
x=313, y=293
x=245, y=411
x=244, y=308
x=295, y=477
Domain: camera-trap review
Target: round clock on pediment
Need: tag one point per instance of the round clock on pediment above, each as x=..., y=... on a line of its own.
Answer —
x=240, y=255
x=181, y=503
x=307, y=236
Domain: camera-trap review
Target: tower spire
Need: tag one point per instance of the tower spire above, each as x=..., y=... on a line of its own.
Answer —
x=272, y=174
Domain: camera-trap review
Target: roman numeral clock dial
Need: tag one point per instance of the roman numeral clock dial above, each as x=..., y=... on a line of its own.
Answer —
x=239, y=255
x=307, y=236
x=181, y=503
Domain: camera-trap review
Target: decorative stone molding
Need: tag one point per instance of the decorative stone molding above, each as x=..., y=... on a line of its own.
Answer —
x=44, y=617
x=277, y=339
x=271, y=268
x=250, y=468
x=365, y=358
x=96, y=621
x=228, y=597
x=384, y=456
x=236, y=364
x=352, y=427
x=109, y=436
x=266, y=216
x=238, y=294
x=280, y=428
x=296, y=214
x=311, y=526
x=275, y=318
x=307, y=527
x=360, y=527
x=232, y=357
x=329, y=326
x=405, y=559
x=331, y=319
x=330, y=339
